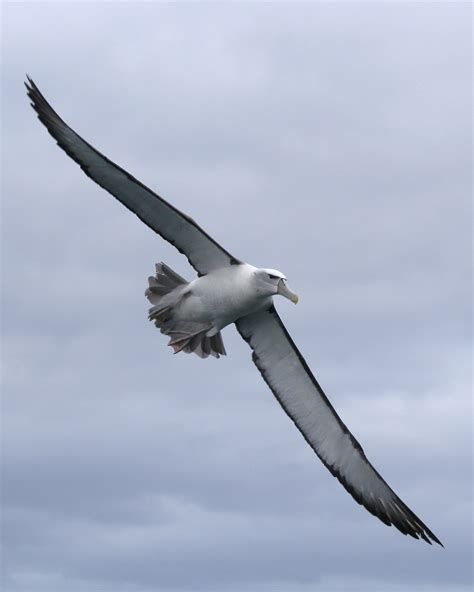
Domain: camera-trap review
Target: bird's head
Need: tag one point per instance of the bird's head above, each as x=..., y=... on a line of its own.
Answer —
x=271, y=282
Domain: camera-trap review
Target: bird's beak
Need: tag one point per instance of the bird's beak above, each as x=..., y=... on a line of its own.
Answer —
x=286, y=292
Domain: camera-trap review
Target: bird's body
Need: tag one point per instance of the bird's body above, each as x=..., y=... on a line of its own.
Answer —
x=192, y=314
x=222, y=297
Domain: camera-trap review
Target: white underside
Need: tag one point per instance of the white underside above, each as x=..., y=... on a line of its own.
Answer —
x=220, y=298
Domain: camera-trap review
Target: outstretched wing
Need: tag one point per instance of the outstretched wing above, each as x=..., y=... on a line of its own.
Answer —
x=202, y=251
x=291, y=381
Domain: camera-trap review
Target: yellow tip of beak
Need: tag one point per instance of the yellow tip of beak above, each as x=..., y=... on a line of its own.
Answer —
x=286, y=292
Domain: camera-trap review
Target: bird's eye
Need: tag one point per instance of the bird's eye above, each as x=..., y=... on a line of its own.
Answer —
x=273, y=277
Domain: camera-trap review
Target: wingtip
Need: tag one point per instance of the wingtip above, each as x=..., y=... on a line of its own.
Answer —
x=30, y=85
x=31, y=90
x=436, y=540
x=429, y=537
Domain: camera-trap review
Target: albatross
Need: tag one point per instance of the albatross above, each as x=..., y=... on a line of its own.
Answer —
x=225, y=291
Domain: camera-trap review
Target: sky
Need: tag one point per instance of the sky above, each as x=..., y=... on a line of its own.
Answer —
x=331, y=141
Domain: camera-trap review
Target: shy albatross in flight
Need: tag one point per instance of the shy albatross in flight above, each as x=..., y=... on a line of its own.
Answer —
x=192, y=314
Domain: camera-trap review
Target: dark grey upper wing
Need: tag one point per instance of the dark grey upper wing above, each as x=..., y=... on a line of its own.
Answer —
x=202, y=251
x=291, y=381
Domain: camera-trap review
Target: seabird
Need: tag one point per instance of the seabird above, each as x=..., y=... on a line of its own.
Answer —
x=229, y=291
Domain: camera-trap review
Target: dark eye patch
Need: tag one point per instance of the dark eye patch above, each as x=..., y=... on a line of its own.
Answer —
x=273, y=277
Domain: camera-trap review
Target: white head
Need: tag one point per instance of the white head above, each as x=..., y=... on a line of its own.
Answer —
x=271, y=282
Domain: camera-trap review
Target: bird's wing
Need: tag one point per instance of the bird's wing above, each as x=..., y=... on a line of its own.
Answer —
x=202, y=251
x=291, y=381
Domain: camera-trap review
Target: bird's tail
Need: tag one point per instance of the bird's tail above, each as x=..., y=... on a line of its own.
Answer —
x=164, y=282
x=189, y=337
x=198, y=343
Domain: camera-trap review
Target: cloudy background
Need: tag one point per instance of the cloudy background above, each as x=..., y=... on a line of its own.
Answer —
x=331, y=141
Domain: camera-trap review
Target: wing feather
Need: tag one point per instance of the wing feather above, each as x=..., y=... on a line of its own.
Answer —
x=287, y=374
x=201, y=250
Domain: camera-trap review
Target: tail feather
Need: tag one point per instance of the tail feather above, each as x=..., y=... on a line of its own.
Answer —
x=217, y=344
x=198, y=343
x=164, y=282
x=163, y=269
x=159, y=314
x=206, y=346
x=165, y=293
x=156, y=290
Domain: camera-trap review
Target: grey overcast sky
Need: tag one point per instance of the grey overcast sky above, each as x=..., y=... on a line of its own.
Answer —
x=328, y=140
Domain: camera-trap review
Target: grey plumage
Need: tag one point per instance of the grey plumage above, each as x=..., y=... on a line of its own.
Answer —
x=166, y=290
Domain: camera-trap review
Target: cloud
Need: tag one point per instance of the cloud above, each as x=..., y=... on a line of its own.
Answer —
x=327, y=140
